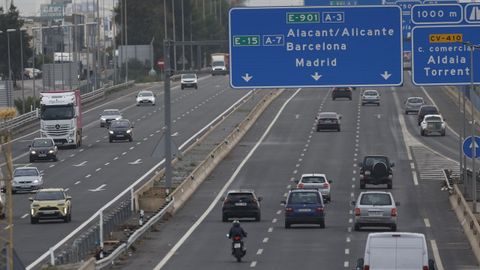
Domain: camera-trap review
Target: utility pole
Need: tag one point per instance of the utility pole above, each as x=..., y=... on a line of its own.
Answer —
x=167, y=124
x=126, y=44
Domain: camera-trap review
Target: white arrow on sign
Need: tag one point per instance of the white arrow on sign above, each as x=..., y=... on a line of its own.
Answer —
x=386, y=75
x=80, y=164
x=247, y=77
x=316, y=76
x=100, y=188
x=474, y=144
x=138, y=161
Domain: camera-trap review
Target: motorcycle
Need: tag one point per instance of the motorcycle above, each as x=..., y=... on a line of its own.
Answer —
x=238, y=250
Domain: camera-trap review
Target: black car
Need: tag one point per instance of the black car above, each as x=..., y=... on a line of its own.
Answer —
x=376, y=170
x=424, y=110
x=241, y=203
x=120, y=130
x=328, y=120
x=342, y=92
x=43, y=149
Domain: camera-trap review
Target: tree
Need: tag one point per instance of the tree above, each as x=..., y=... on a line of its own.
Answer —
x=11, y=20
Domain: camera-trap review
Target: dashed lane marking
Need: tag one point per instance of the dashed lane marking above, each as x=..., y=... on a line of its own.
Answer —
x=78, y=182
x=265, y=240
x=260, y=251
x=274, y=220
x=270, y=229
x=253, y=264
x=88, y=176
x=427, y=222
x=346, y=264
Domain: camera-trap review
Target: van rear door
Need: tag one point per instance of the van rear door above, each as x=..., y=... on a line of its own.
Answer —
x=396, y=252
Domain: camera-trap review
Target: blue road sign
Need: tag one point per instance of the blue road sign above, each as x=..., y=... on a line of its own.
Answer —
x=468, y=147
x=439, y=57
x=341, y=2
x=437, y=14
x=472, y=13
x=315, y=47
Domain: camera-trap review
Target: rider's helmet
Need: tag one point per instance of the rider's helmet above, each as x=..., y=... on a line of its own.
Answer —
x=236, y=223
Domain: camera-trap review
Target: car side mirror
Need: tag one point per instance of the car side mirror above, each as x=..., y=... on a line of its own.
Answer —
x=260, y=199
x=68, y=198
x=431, y=264
x=392, y=164
x=283, y=202
x=397, y=203
x=30, y=199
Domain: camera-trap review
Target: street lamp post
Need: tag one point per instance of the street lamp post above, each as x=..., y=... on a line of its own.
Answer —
x=8, y=49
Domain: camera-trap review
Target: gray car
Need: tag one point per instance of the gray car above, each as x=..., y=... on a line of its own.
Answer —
x=413, y=104
x=375, y=209
x=370, y=97
x=108, y=116
x=26, y=179
x=318, y=181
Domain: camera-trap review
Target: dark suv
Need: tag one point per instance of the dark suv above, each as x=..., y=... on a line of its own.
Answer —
x=44, y=149
x=241, y=203
x=304, y=206
x=376, y=170
x=424, y=110
x=342, y=92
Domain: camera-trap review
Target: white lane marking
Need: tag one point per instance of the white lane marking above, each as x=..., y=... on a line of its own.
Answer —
x=72, y=155
x=98, y=169
x=427, y=222
x=285, y=194
x=346, y=264
x=214, y=203
x=436, y=255
x=274, y=220
x=81, y=150
x=412, y=165
x=131, y=148
x=97, y=141
x=138, y=143
x=289, y=186
x=350, y=220
x=24, y=216
x=106, y=164
x=415, y=180
x=80, y=164
x=51, y=166
x=260, y=251
x=115, y=158
x=265, y=240
x=100, y=188
x=347, y=251
x=78, y=182
x=349, y=229
x=348, y=239
x=295, y=172
x=350, y=212
x=145, y=138
x=279, y=212
x=88, y=176
x=270, y=229
x=124, y=153
x=253, y=264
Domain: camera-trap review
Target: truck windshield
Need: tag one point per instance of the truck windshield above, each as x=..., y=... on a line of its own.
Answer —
x=218, y=63
x=57, y=112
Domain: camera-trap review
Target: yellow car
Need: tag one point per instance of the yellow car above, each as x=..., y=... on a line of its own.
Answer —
x=50, y=203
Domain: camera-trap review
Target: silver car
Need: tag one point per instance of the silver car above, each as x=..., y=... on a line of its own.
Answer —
x=145, y=97
x=26, y=179
x=375, y=209
x=413, y=104
x=108, y=116
x=316, y=181
x=370, y=97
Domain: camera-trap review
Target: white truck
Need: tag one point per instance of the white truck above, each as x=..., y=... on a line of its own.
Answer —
x=220, y=63
x=61, y=117
x=395, y=251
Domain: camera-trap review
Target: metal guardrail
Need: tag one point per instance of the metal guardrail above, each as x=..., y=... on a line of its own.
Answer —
x=29, y=117
x=110, y=259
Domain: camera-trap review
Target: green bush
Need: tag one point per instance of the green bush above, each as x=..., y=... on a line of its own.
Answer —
x=29, y=101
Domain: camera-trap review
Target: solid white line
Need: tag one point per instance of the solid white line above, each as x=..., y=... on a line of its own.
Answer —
x=436, y=255
x=214, y=203
x=260, y=251
x=253, y=264
x=427, y=222
x=415, y=180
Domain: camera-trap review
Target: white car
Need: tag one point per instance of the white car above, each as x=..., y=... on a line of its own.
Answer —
x=145, y=97
x=370, y=97
x=189, y=80
x=432, y=123
x=26, y=179
x=108, y=116
x=317, y=181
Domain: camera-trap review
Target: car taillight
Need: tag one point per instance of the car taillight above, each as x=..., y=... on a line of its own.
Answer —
x=357, y=211
x=366, y=267
x=425, y=267
x=394, y=212
x=326, y=185
x=319, y=209
x=301, y=185
x=288, y=210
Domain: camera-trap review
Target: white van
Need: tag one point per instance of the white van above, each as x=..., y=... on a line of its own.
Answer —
x=396, y=251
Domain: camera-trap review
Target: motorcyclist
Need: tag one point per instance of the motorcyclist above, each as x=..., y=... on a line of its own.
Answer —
x=236, y=230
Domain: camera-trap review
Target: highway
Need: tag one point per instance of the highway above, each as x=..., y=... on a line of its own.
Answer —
x=283, y=145
x=98, y=171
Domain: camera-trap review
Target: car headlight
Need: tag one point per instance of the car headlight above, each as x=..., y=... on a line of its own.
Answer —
x=61, y=204
x=103, y=119
x=35, y=205
x=36, y=181
x=118, y=118
x=50, y=151
x=110, y=131
x=128, y=131
x=33, y=152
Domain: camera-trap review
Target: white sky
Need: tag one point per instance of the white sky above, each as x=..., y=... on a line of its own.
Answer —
x=32, y=7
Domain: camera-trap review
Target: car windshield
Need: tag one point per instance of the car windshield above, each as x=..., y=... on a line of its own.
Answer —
x=189, y=76
x=42, y=143
x=415, y=100
x=49, y=196
x=111, y=112
x=376, y=199
x=304, y=198
x=245, y=197
x=370, y=93
x=369, y=161
x=25, y=172
x=313, y=179
x=120, y=124
x=328, y=115
x=429, y=110
x=57, y=112
x=434, y=119
x=145, y=94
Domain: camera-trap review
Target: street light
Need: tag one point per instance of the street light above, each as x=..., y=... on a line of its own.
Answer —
x=21, y=68
x=8, y=45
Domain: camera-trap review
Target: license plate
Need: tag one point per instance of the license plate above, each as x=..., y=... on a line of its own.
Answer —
x=375, y=214
x=50, y=212
x=42, y=155
x=120, y=135
x=237, y=245
x=240, y=204
x=304, y=210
